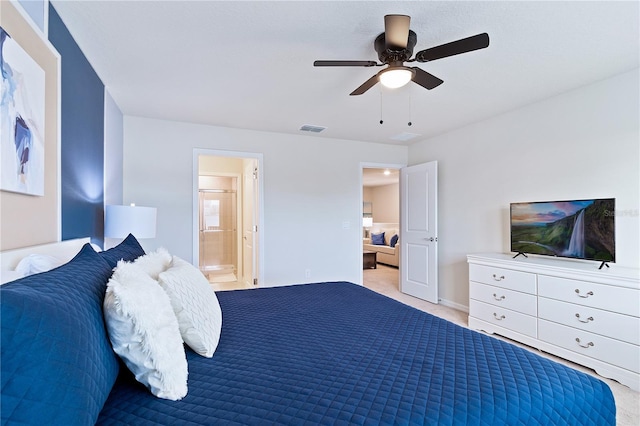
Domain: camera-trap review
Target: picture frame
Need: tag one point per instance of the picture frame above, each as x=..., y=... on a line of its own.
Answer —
x=22, y=112
x=30, y=218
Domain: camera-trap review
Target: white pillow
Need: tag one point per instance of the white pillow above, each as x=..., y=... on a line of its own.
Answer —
x=144, y=331
x=155, y=262
x=36, y=263
x=195, y=305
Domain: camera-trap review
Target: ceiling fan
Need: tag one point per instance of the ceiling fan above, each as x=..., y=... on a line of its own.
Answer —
x=395, y=47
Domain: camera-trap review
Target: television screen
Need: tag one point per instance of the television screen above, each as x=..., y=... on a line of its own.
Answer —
x=581, y=229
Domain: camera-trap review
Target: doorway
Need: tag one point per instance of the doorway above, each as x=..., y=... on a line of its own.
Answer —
x=381, y=213
x=218, y=227
x=227, y=200
x=417, y=225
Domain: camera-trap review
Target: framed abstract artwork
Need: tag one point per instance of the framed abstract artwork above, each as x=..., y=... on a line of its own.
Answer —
x=22, y=112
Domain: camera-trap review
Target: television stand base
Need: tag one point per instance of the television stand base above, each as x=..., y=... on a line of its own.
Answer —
x=604, y=263
x=521, y=253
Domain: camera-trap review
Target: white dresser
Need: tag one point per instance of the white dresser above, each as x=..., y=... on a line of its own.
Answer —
x=565, y=307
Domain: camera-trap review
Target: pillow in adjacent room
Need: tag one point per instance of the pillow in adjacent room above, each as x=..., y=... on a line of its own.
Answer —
x=377, y=239
x=129, y=249
x=144, y=331
x=195, y=305
x=155, y=262
x=57, y=365
x=394, y=241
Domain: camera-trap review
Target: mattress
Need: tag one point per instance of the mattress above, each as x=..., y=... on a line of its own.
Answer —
x=337, y=353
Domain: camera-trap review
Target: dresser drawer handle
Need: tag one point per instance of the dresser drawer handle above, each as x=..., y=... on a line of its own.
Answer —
x=499, y=318
x=498, y=278
x=584, y=321
x=499, y=299
x=583, y=346
x=585, y=296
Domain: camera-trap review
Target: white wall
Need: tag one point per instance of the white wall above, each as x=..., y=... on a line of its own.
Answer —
x=386, y=203
x=579, y=145
x=113, y=151
x=37, y=11
x=312, y=188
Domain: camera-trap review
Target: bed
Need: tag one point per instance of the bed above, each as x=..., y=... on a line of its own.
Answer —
x=338, y=353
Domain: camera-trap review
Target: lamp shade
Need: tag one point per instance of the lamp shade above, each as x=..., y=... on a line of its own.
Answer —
x=121, y=221
x=367, y=222
x=395, y=77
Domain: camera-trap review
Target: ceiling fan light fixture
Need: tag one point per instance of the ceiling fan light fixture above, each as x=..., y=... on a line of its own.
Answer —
x=396, y=77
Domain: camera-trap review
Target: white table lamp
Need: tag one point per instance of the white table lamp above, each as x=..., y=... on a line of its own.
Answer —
x=121, y=221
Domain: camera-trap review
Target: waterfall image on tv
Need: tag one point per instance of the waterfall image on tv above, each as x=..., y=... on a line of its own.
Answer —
x=582, y=229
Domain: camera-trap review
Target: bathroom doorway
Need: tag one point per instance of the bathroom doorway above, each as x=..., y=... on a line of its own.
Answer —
x=218, y=223
x=226, y=218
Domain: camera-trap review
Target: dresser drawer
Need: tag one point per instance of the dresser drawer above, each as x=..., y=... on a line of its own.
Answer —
x=504, y=298
x=605, y=323
x=505, y=278
x=506, y=318
x=622, y=354
x=601, y=296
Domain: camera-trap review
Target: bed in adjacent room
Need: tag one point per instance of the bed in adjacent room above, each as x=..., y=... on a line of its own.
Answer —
x=338, y=353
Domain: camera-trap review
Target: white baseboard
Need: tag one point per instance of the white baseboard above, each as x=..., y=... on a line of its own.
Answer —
x=454, y=305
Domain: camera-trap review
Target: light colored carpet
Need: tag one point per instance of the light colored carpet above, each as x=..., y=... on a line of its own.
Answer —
x=385, y=280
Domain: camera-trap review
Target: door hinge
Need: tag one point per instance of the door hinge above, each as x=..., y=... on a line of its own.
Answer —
x=255, y=173
x=255, y=281
x=255, y=228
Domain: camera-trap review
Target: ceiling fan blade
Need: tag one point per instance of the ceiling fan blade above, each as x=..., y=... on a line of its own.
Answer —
x=424, y=79
x=396, y=31
x=365, y=86
x=479, y=41
x=344, y=63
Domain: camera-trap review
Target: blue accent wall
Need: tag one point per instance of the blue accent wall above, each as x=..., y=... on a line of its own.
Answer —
x=82, y=138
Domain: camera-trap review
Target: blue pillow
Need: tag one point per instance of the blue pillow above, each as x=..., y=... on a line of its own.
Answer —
x=394, y=241
x=377, y=239
x=57, y=365
x=129, y=249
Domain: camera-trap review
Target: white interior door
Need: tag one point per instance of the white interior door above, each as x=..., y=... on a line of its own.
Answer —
x=250, y=221
x=419, y=231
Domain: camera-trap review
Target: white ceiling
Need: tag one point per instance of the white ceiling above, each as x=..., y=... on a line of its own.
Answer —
x=377, y=177
x=249, y=64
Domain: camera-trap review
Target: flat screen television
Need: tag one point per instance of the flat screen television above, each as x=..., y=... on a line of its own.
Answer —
x=580, y=229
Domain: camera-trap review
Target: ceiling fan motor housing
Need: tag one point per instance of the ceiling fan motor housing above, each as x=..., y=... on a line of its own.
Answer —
x=389, y=54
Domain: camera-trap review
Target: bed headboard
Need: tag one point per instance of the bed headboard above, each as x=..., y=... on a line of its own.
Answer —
x=63, y=250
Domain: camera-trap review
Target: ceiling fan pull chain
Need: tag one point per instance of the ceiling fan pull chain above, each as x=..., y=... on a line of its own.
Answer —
x=410, y=110
x=381, y=121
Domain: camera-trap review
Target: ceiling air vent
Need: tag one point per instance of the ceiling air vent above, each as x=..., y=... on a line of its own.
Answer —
x=311, y=128
x=405, y=136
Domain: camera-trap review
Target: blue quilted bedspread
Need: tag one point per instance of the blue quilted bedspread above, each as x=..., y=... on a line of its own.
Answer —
x=337, y=353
